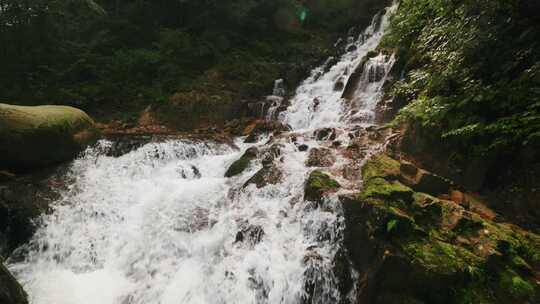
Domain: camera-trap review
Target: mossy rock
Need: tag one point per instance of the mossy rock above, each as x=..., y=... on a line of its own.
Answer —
x=40, y=136
x=439, y=257
x=381, y=166
x=241, y=164
x=318, y=184
x=378, y=187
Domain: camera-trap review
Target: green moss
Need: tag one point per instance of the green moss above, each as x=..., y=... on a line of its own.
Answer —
x=475, y=293
x=317, y=184
x=515, y=285
x=381, y=188
x=380, y=166
x=440, y=257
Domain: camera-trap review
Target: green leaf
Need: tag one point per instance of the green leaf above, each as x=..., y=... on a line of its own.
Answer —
x=391, y=225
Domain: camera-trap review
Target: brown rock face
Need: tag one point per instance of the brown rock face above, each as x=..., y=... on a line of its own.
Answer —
x=427, y=182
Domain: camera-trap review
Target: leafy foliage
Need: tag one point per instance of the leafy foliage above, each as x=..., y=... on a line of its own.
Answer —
x=472, y=70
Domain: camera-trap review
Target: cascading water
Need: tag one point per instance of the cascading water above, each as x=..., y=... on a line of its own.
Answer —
x=318, y=102
x=162, y=224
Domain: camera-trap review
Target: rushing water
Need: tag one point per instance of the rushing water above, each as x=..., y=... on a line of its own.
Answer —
x=161, y=224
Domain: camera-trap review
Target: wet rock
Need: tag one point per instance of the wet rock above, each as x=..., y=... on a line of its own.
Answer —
x=427, y=182
x=320, y=157
x=408, y=168
x=339, y=85
x=11, y=292
x=351, y=48
x=35, y=137
x=325, y=134
x=21, y=202
x=342, y=271
x=275, y=151
x=330, y=63
x=260, y=127
x=319, y=184
x=241, y=164
x=315, y=105
x=268, y=175
x=250, y=234
x=376, y=72
x=122, y=145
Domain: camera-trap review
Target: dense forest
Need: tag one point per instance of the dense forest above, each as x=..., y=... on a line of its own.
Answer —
x=126, y=54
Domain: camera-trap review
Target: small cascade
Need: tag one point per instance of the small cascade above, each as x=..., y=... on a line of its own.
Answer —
x=279, y=88
x=368, y=92
x=318, y=102
x=162, y=224
x=275, y=101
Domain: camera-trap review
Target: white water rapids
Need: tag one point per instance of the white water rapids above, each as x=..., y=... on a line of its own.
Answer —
x=160, y=224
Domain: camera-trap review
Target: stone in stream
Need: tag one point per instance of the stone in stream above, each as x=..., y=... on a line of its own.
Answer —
x=303, y=148
x=250, y=234
x=325, y=134
x=320, y=157
x=259, y=127
x=268, y=175
x=317, y=185
x=33, y=137
x=241, y=164
x=340, y=84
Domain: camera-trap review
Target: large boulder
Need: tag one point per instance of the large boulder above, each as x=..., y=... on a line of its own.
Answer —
x=11, y=291
x=40, y=136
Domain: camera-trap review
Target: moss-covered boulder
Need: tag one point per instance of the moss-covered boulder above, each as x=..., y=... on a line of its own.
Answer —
x=40, y=136
x=11, y=291
x=412, y=247
x=317, y=185
x=241, y=164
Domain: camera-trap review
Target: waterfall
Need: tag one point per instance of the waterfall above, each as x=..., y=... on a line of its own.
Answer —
x=161, y=224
